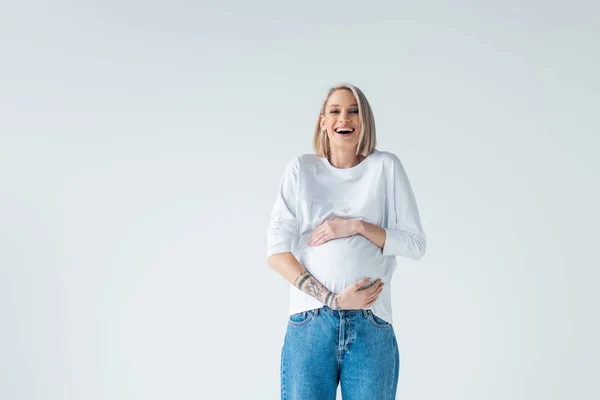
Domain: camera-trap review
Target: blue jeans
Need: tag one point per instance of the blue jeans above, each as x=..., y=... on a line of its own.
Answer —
x=325, y=347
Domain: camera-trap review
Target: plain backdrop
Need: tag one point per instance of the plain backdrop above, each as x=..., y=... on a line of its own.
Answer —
x=141, y=148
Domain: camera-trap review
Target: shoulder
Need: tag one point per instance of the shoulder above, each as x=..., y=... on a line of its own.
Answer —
x=308, y=159
x=301, y=161
x=387, y=158
x=305, y=162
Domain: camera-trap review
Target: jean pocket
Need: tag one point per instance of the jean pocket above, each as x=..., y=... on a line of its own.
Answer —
x=378, y=322
x=301, y=318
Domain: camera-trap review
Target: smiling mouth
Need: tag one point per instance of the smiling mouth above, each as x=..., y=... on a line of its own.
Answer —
x=344, y=131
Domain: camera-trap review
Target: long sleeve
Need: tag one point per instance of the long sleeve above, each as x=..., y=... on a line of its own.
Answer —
x=283, y=227
x=404, y=232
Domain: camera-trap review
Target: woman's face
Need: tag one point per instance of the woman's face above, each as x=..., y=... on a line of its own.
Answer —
x=341, y=115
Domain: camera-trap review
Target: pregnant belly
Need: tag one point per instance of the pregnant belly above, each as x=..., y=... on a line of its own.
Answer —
x=340, y=262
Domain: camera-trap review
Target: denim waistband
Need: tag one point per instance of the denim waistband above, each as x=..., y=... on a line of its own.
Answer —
x=326, y=309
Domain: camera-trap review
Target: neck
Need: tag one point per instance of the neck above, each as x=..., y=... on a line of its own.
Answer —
x=344, y=158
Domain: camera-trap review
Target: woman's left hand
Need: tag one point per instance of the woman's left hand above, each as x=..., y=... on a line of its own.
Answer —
x=333, y=229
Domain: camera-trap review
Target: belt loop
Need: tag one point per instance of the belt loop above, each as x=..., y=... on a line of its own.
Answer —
x=317, y=312
x=364, y=312
x=303, y=314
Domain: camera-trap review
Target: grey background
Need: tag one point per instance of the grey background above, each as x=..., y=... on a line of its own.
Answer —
x=142, y=143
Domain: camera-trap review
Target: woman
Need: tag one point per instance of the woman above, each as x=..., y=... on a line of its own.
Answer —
x=340, y=218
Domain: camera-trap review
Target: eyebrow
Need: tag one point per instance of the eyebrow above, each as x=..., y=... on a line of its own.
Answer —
x=337, y=105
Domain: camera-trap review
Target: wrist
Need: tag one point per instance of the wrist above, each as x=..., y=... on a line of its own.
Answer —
x=358, y=227
x=335, y=302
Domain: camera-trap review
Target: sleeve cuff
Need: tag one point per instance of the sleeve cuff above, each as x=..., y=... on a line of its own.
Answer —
x=403, y=243
x=278, y=250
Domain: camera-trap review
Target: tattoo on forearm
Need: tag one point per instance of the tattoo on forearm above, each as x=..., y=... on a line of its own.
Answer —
x=314, y=290
x=308, y=284
x=336, y=304
x=327, y=300
x=304, y=276
x=332, y=302
x=300, y=277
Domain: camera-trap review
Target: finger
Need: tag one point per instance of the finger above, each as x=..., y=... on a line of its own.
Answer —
x=313, y=238
x=359, y=284
x=371, y=303
x=323, y=239
x=374, y=296
x=374, y=283
x=318, y=235
x=317, y=231
x=373, y=287
x=378, y=284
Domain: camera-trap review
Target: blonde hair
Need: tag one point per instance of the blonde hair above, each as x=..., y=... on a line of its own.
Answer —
x=367, y=140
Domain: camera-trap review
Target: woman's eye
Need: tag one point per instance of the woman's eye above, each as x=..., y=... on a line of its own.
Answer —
x=337, y=111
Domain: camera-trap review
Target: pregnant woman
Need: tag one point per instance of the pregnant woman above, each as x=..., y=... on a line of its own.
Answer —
x=340, y=218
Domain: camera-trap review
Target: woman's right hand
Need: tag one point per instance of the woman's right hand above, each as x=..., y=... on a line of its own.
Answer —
x=355, y=298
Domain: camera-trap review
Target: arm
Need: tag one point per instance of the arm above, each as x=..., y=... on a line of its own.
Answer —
x=353, y=297
x=404, y=234
x=281, y=234
x=374, y=233
x=377, y=235
x=286, y=265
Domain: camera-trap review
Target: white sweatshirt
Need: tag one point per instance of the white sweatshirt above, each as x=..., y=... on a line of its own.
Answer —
x=377, y=191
